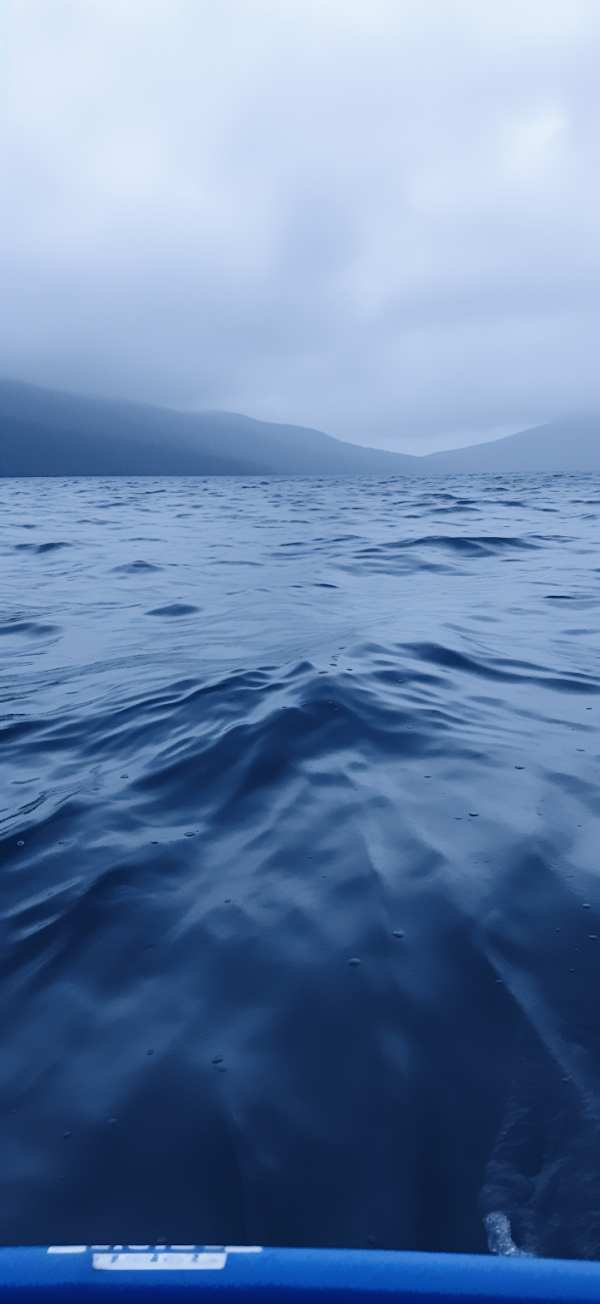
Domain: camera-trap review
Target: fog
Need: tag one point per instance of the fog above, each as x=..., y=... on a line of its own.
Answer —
x=378, y=219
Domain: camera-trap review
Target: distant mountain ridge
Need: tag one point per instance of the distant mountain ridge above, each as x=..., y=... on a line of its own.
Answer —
x=41, y=429
x=49, y=433
x=569, y=445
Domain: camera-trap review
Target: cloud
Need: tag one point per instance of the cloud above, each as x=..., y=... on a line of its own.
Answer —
x=378, y=218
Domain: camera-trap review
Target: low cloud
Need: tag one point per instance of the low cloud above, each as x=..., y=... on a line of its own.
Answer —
x=377, y=218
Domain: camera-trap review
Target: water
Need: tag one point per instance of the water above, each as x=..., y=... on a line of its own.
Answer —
x=300, y=861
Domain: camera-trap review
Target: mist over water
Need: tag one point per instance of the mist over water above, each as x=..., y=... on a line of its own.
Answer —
x=300, y=839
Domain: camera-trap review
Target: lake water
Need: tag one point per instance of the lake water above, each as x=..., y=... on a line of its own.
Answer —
x=300, y=861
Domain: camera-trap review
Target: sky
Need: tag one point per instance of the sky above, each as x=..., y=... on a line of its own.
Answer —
x=375, y=217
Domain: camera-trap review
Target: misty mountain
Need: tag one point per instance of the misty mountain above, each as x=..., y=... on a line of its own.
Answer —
x=44, y=432
x=572, y=444
x=49, y=433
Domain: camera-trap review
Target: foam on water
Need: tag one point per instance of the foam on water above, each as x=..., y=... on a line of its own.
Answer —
x=300, y=831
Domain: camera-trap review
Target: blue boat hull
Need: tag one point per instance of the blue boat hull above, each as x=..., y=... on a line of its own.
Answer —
x=250, y=1274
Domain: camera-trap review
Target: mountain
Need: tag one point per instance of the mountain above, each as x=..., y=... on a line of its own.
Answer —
x=572, y=444
x=45, y=432
x=49, y=433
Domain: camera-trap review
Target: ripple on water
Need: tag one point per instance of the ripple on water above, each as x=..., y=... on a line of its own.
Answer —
x=310, y=939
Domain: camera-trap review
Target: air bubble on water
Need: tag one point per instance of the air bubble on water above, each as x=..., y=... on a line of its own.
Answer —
x=397, y=933
x=20, y=843
x=218, y=1059
x=149, y=1052
x=66, y=1135
x=354, y=961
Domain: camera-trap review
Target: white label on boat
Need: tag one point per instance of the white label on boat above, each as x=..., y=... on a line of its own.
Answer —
x=243, y=1249
x=166, y=1260
x=66, y=1249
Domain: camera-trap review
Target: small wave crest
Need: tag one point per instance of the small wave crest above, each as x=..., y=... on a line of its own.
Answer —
x=300, y=897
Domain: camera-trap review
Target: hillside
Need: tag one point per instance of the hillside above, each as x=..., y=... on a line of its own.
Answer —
x=45, y=432
x=570, y=445
x=49, y=433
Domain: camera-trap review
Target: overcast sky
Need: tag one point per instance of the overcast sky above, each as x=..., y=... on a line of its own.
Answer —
x=377, y=217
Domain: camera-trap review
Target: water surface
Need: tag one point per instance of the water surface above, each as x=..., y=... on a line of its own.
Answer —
x=300, y=861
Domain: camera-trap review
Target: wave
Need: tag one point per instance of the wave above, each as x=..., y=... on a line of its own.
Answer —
x=302, y=936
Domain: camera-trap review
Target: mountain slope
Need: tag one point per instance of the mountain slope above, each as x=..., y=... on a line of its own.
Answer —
x=30, y=449
x=40, y=429
x=572, y=444
x=46, y=432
